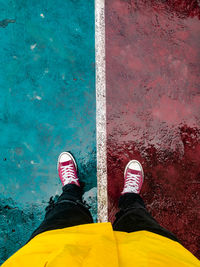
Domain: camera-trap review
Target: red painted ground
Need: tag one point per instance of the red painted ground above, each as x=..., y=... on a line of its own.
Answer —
x=153, y=110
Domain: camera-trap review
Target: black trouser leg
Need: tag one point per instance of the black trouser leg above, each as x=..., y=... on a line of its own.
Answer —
x=68, y=211
x=133, y=216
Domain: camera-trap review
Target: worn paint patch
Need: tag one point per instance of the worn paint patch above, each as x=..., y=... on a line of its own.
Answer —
x=16, y=225
x=90, y=197
x=153, y=108
x=4, y=23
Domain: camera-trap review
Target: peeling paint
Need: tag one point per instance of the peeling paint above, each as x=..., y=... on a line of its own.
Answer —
x=4, y=23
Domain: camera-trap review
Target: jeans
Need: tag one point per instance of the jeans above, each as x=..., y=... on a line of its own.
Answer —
x=69, y=210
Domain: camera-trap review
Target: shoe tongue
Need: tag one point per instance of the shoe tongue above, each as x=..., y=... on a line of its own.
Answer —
x=66, y=163
x=134, y=171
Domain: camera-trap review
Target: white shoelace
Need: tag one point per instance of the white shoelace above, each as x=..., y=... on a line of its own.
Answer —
x=132, y=183
x=68, y=173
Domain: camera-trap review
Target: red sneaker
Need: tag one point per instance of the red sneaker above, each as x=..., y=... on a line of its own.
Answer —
x=67, y=169
x=133, y=177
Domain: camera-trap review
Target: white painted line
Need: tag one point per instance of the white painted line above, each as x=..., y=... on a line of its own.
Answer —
x=101, y=111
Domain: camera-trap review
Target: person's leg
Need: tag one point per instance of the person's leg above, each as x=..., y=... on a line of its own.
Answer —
x=69, y=210
x=133, y=215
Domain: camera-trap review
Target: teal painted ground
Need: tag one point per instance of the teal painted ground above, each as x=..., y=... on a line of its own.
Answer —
x=47, y=105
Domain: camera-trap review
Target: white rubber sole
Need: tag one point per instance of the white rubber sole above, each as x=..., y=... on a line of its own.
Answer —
x=70, y=155
x=133, y=161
